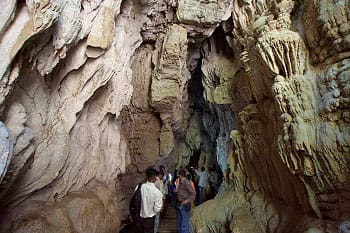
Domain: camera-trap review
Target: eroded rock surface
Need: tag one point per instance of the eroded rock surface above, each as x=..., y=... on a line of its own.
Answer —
x=6, y=150
x=92, y=93
x=291, y=122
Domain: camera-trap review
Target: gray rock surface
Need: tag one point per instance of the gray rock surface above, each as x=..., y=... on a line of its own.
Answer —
x=6, y=150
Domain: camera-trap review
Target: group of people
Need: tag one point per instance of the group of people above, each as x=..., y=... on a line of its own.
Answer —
x=155, y=192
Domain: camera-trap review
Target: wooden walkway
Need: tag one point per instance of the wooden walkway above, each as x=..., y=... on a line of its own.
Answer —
x=168, y=223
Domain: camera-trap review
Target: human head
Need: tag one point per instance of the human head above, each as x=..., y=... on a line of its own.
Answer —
x=160, y=174
x=182, y=174
x=189, y=176
x=151, y=175
x=161, y=168
x=203, y=169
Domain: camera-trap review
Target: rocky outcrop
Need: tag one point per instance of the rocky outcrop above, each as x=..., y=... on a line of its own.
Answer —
x=92, y=93
x=6, y=147
x=284, y=144
x=168, y=82
x=63, y=113
x=203, y=12
x=327, y=30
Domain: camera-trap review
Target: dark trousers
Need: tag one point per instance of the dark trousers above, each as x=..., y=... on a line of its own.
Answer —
x=148, y=224
x=138, y=228
x=201, y=194
x=165, y=205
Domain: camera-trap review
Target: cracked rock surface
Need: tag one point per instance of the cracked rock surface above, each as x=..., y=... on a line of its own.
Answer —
x=93, y=92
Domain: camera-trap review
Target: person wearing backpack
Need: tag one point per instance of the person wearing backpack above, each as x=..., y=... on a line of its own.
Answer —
x=135, y=210
x=145, y=203
x=151, y=201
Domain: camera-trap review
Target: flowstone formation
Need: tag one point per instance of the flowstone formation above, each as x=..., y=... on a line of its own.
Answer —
x=290, y=151
x=94, y=92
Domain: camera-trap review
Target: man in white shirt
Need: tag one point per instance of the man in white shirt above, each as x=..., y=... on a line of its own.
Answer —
x=151, y=201
x=202, y=184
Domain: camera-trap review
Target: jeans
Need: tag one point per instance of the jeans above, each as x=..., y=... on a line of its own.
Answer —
x=156, y=223
x=200, y=195
x=183, y=218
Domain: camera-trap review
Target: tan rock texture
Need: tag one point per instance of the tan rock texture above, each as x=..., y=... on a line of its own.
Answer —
x=290, y=148
x=92, y=93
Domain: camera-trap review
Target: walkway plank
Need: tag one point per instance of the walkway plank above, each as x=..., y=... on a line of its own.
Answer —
x=168, y=223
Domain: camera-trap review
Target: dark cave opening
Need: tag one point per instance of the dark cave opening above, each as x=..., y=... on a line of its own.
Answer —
x=194, y=158
x=205, y=156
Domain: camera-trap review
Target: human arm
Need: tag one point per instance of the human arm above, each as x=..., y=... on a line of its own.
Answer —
x=162, y=188
x=177, y=181
x=197, y=171
x=160, y=185
x=158, y=202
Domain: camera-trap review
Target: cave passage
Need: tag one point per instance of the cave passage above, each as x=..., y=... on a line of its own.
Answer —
x=194, y=159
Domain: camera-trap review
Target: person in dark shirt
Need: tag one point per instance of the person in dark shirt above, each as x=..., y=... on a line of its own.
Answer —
x=185, y=195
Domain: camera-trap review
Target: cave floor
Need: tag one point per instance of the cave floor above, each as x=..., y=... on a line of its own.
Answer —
x=168, y=223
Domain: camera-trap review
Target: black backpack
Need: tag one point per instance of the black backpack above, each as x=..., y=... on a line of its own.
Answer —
x=135, y=203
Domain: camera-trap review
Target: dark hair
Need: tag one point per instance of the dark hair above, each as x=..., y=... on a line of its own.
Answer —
x=151, y=173
x=203, y=169
x=182, y=172
x=189, y=176
x=160, y=173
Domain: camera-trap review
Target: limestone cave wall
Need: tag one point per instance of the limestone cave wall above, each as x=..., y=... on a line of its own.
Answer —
x=92, y=92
